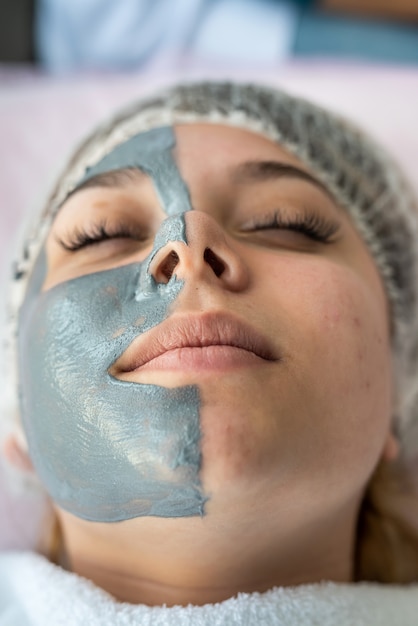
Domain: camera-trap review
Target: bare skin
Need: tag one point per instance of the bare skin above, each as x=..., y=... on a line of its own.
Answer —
x=288, y=446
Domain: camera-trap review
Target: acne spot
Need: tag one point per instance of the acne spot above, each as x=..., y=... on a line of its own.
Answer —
x=357, y=322
x=379, y=339
x=332, y=318
x=229, y=449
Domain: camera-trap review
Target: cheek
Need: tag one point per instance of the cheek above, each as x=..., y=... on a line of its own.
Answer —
x=345, y=356
x=106, y=450
x=319, y=418
x=350, y=329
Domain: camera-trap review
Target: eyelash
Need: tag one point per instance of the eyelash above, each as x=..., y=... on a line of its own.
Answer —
x=311, y=225
x=98, y=233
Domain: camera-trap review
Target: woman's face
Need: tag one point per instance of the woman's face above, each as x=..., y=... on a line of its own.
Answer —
x=260, y=364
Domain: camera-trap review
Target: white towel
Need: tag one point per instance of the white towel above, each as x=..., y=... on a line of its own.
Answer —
x=34, y=592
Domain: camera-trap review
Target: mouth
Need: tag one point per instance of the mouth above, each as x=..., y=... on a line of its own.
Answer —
x=212, y=341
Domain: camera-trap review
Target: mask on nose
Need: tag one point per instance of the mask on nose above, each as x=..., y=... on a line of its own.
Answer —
x=105, y=449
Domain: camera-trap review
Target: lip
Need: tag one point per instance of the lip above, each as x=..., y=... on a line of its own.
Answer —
x=206, y=341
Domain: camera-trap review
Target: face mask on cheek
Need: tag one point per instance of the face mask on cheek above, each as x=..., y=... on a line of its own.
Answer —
x=109, y=450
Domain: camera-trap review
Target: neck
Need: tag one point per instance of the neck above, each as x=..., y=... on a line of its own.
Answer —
x=197, y=561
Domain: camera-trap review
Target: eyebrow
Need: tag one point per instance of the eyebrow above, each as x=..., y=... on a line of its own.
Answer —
x=247, y=172
x=113, y=178
x=260, y=171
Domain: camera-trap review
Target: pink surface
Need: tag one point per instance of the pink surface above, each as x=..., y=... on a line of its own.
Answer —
x=21, y=517
x=41, y=118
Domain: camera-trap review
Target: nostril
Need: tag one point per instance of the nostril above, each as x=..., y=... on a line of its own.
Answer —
x=166, y=269
x=215, y=262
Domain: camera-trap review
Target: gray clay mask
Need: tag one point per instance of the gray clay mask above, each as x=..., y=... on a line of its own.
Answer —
x=109, y=450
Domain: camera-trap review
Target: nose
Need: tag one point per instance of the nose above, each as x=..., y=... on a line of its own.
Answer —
x=203, y=254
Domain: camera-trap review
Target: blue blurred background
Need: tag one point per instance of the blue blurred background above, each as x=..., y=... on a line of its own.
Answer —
x=64, y=36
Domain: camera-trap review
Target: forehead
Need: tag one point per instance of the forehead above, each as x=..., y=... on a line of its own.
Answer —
x=199, y=151
x=228, y=143
x=150, y=152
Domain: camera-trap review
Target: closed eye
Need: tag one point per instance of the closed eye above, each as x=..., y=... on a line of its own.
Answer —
x=97, y=233
x=312, y=225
